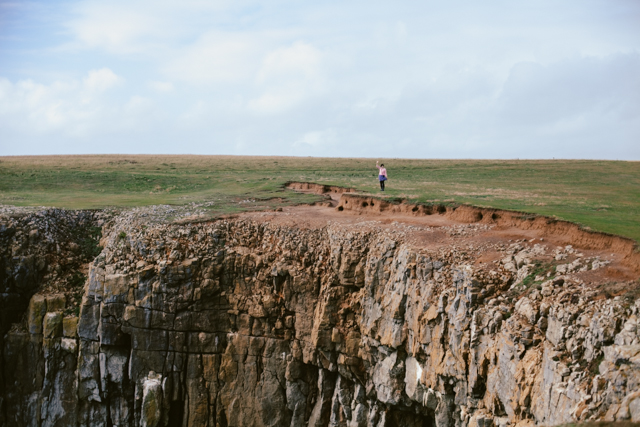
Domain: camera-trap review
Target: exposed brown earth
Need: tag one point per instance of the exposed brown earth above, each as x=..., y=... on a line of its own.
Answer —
x=333, y=192
x=508, y=225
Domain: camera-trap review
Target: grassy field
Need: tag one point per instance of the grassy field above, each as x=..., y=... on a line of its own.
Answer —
x=603, y=195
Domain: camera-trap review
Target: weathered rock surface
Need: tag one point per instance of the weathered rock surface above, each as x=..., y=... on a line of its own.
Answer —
x=245, y=323
x=39, y=251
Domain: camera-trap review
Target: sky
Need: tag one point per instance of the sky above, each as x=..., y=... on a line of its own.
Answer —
x=405, y=79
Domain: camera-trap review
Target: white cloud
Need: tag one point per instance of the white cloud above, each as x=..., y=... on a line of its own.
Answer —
x=300, y=61
x=326, y=78
x=216, y=57
x=138, y=104
x=564, y=91
x=160, y=86
x=317, y=139
x=141, y=26
x=288, y=75
x=115, y=27
x=100, y=80
x=72, y=107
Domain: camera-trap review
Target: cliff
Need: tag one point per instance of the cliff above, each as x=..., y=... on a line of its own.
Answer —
x=280, y=320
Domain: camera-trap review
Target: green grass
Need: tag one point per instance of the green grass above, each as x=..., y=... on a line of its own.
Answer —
x=603, y=195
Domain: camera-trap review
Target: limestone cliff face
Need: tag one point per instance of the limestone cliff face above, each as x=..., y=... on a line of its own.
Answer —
x=39, y=251
x=243, y=323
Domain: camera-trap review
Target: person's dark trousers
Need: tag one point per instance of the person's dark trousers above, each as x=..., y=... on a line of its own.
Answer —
x=382, y=185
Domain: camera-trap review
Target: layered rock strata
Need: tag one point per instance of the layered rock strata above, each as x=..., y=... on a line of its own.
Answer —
x=246, y=323
x=40, y=251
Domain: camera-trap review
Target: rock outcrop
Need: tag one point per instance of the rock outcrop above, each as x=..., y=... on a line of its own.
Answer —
x=46, y=252
x=240, y=322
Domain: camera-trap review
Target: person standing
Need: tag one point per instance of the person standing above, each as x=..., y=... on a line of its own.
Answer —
x=382, y=175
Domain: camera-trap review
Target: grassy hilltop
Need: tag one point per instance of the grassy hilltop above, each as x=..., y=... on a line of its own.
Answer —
x=603, y=195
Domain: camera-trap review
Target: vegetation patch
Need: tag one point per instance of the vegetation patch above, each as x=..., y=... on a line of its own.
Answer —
x=602, y=195
x=90, y=243
x=73, y=290
x=541, y=269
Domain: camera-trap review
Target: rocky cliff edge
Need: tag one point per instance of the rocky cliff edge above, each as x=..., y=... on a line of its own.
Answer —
x=252, y=322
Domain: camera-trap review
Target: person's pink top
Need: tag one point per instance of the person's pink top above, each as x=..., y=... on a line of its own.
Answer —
x=383, y=171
